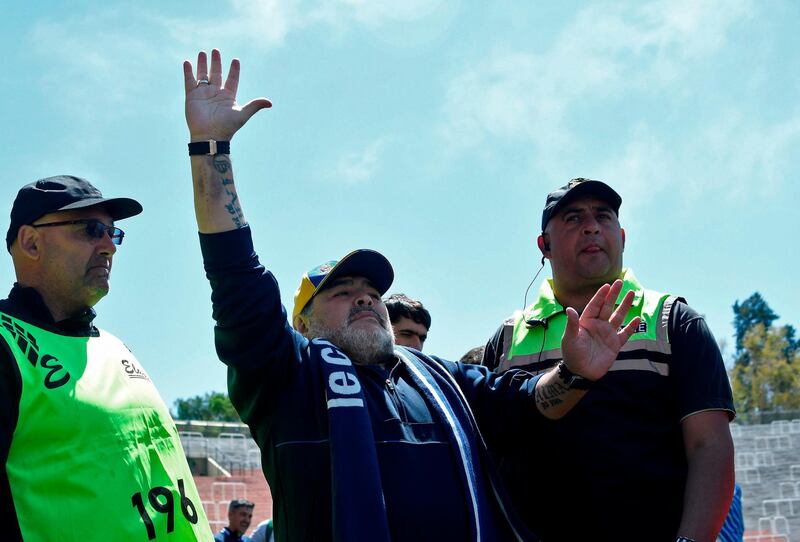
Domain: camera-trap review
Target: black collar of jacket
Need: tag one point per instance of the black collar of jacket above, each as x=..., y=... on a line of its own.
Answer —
x=26, y=304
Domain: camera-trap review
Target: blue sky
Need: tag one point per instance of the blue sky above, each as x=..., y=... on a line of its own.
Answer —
x=429, y=130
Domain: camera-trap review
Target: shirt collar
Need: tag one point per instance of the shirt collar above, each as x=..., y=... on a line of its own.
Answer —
x=32, y=307
x=230, y=534
x=547, y=306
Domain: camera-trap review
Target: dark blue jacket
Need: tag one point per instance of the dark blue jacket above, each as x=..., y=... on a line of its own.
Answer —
x=226, y=536
x=276, y=392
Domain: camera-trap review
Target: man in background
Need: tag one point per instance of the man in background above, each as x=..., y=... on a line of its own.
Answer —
x=410, y=320
x=263, y=532
x=240, y=514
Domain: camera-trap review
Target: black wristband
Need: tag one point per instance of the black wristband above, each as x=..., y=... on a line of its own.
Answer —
x=209, y=148
x=684, y=539
x=573, y=381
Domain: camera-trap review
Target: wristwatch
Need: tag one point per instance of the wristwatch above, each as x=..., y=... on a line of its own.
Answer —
x=209, y=147
x=571, y=380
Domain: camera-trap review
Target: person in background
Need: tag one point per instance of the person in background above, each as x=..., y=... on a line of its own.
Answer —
x=733, y=528
x=240, y=514
x=473, y=355
x=263, y=532
x=410, y=320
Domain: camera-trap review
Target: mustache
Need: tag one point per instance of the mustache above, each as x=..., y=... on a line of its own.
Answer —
x=357, y=310
x=100, y=261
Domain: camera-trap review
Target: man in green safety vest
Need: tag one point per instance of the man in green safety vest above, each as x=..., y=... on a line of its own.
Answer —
x=88, y=448
x=646, y=454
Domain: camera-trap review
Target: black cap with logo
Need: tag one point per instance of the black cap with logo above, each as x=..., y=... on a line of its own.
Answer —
x=63, y=193
x=574, y=189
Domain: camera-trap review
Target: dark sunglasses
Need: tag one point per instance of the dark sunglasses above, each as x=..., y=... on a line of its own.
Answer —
x=94, y=229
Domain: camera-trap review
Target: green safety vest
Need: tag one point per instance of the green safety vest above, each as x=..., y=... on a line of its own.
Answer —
x=95, y=455
x=532, y=338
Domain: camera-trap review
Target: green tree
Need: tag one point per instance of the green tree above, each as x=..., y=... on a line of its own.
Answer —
x=753, y=310
x=214, y=406
x=769, y=380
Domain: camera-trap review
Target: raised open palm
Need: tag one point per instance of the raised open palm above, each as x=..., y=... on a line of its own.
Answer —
x=211, y=108
x=593, y=340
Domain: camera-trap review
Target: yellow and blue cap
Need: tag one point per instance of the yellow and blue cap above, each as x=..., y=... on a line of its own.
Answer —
x=363, y=262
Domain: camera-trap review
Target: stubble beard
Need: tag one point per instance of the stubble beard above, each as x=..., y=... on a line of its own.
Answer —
x=363, y=346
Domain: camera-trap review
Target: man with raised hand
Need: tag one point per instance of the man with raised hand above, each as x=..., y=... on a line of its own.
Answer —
x=359, y=440
x=88, y=448
x=657, y=421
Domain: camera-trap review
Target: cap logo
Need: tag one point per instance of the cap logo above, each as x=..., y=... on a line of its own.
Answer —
x=325, y=269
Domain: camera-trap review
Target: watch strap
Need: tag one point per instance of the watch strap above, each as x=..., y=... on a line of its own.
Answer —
x=573, y=381
x=209, y=147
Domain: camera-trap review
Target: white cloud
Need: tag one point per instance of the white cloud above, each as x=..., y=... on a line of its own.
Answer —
x=734, y=158
x=267, y=23
x=607, y=54
x=643, y=168
x=360, y=166
x=99, y=67
x=375, y=13
x=608, y=49
x=258, y=23
x=746, y=157
x=110, y=56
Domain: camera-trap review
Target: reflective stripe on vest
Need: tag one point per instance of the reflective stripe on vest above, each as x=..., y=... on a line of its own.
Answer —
x=535, y=344
x=95, y=455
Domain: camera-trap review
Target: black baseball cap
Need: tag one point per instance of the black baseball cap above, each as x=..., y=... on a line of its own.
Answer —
x=62, y=193
x=577, y=188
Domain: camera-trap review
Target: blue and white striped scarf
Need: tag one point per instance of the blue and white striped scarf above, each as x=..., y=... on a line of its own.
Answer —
x=359, y=507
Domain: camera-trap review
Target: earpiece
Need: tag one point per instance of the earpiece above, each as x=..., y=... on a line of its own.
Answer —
x=525, y=299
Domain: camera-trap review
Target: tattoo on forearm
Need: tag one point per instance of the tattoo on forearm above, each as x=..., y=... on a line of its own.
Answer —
x=221, y=163
x=233, y=207
x=550, y=395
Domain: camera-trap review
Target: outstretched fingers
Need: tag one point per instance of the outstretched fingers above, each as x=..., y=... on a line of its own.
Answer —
x=215, y=75
x=619, y=317
x=202, y=66
x=628, y=330
x=211, y=109
x=595, y=305
x=232, y=82
x=610, y=301
x=189, y=82
x=573, y=326
x=254, y=106
x=232, y=85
